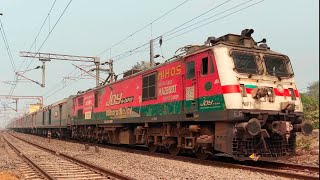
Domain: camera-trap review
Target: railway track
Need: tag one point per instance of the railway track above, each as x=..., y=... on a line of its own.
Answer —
x=54, y=165
x=274, y=168
x=26, y=169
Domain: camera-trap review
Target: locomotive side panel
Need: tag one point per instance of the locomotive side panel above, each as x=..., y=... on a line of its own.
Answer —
x=39, y=119
x=155, y=93
x=55, y=115
x=203, y=93
x=67, y=112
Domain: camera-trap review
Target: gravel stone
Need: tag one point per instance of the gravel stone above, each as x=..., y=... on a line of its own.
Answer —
x=141, y=166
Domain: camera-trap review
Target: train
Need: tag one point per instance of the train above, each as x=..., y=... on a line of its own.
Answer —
x=231, y=96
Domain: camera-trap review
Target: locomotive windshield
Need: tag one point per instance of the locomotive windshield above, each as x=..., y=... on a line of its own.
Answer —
x=245, y=62
x=278, y=66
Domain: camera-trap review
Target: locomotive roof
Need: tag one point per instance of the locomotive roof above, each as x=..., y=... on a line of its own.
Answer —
x=243, y=41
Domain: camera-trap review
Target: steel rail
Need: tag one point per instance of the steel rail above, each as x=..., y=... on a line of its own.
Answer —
x=289, y=166
x=80, y=162
x=260, y=166
x=29, y=161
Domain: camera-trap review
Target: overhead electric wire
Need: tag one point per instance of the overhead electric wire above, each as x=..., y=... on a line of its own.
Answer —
x=33, y=43
x=217, y=19
x=125, y=54
x=65, y=9
x=50, y=95
x=120, y=56
x=131, y=52
x=206, y=19
x=200, y=15
x=5, y=40
x=35, y=39
x=134, y=50
x=132, y=34
x=60, y=82
x=46, y=38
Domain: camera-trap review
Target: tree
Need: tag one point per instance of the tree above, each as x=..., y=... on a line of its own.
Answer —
x=313, y=90
x=310, y=101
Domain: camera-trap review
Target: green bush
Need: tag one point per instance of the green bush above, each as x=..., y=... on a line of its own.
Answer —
x=310, y=101
x=303, y=144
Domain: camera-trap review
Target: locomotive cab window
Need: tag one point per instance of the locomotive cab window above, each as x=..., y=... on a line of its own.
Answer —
x=211, y=66
x=245, y=62
x=204, y=66
x=96, y=99
x=80, y=101
x=80, y=113
x=278, y=66
x=190, y=70
x=149, y=87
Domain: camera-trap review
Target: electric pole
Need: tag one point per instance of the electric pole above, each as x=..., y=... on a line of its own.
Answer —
x=151, y=54
x=17, y=98
x=44, y=57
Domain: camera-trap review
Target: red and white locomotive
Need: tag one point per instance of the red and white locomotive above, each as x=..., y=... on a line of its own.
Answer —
x=232, y=95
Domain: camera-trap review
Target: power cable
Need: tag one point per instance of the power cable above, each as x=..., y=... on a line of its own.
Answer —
x=59, y=83
x=132, y=34
x=125, y=54
x=239, y=5
x=131, y=52
x=47, y=97
x=134, y=51
x=46, y=39
x=5, y=40
x=217, y=19
x=202, y=14
x=51, y=31
x=33, y=43
x=35, y=39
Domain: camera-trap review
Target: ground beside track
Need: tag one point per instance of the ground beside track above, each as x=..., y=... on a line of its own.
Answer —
x=8, y=169
x=307, y=149
x=145, y=167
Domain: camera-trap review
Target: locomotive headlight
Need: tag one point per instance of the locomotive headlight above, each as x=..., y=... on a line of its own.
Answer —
x=269, y=92
x=280, y=88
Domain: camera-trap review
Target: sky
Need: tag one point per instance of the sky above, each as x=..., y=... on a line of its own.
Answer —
x=88, y=28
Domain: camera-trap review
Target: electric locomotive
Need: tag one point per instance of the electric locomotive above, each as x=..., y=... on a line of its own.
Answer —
x=231, y=96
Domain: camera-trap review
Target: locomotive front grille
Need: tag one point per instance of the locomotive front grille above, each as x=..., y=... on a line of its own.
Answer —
x=275, y=147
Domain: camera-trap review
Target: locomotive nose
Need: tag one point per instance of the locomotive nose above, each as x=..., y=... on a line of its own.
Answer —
x=305, y=127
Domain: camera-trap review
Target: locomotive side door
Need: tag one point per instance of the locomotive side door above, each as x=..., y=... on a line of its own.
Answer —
x=209, y=87
x=191, y=80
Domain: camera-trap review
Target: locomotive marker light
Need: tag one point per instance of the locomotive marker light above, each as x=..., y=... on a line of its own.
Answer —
x=280, y=88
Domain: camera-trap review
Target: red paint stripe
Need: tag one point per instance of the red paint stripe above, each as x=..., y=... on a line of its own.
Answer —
x=230, y=89
x=284, y=93
x=236, y=89
x=249, y=90
x=296, y=93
